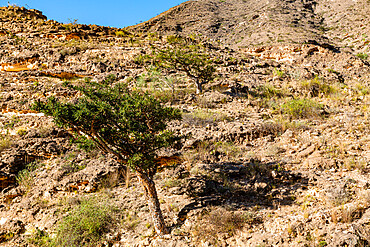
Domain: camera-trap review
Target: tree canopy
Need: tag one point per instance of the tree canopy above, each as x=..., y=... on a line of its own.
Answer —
x=187, y=55
x=127, y=123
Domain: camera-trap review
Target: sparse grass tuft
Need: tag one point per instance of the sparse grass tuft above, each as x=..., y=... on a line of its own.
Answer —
x=278, y=73
x=363, y=56
x=122, y=33
x=172, y=182
x=22, y=132
x=203, y=117
x=267, y=92
x=25, y=180
x=25, y=177
x=301, y=108
x=347, y=213
x=5, y=142
x=85, y=225
x=362, y=89
x=164, y=88
x=219, y=223
x=131, y=221
x=317, y=87
x=39, y=238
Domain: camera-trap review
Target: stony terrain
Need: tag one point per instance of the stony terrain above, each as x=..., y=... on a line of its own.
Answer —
x=277, y=151
x=245, y=23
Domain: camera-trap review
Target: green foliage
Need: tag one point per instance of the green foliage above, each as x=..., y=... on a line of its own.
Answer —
x=5, y=142
x=164, y=88
x=84, y=143
x=333, y=71
x=122, y=33
x=40, y=238
x=71, y=167
x=25, y=177
x=317, y=86
x=4, y=237
x=172, y=182
x=301, y=108
x=363, y=56
x=278, y=73
x=322, y=243
x=184, y=54
x=131, y=221
x=22, y=132
x=11, y=123
x=362, y=89
x=207, y=116
x=269, y=91
x=129, y=124
x=85, y=225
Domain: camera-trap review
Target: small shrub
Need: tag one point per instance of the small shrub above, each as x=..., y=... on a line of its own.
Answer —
x=111, y=180
x=72, y=167
x=227, y=148
x=170, y=183
x=187, y=55
x=25, y=177
x=267, y=92
x=39, y=238
x=322, y=243
x=122, y=33
x=362, y=89
x=278, y=73
x=301, y=108
x=25, y=180
x=203, y=117
x=347, y=213
x=270, y=91
x=338, y=195
x=85, y=225
x=362, y=56
x=11, y=123
x=131, y=221
x=164, y=88
x=316, y=87
x=5, y=142
x=22, y=132
x=218, y=224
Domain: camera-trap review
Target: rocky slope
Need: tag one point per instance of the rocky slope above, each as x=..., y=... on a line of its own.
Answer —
x=278, y=146
x=240, y=23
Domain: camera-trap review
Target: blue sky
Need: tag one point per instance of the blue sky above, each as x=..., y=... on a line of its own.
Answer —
x=112, y=13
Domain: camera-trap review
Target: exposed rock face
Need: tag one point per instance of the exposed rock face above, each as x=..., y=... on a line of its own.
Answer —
x=239, y=23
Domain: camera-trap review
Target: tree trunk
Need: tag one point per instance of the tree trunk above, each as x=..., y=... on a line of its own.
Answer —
x=127, y=177
x=199, y=86
x=153, y=203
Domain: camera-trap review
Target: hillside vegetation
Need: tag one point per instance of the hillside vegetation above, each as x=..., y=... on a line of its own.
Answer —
x=275, y=143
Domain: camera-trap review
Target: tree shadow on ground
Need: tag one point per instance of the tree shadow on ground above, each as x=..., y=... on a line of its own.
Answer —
x=242, y=186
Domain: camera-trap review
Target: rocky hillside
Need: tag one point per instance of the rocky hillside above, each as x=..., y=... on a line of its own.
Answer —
x=277, y=148
x=242, y=23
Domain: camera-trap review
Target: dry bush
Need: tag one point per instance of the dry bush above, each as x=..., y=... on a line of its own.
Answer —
x=364, y=197
x=203, y=117
x=219, y=223
x=347, y=213
x=338, y=195
x=302, y=108
x=317, y=87
x=5, y=142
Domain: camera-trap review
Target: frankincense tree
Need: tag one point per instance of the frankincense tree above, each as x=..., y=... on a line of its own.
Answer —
x=127, y=123
x=186, y=55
